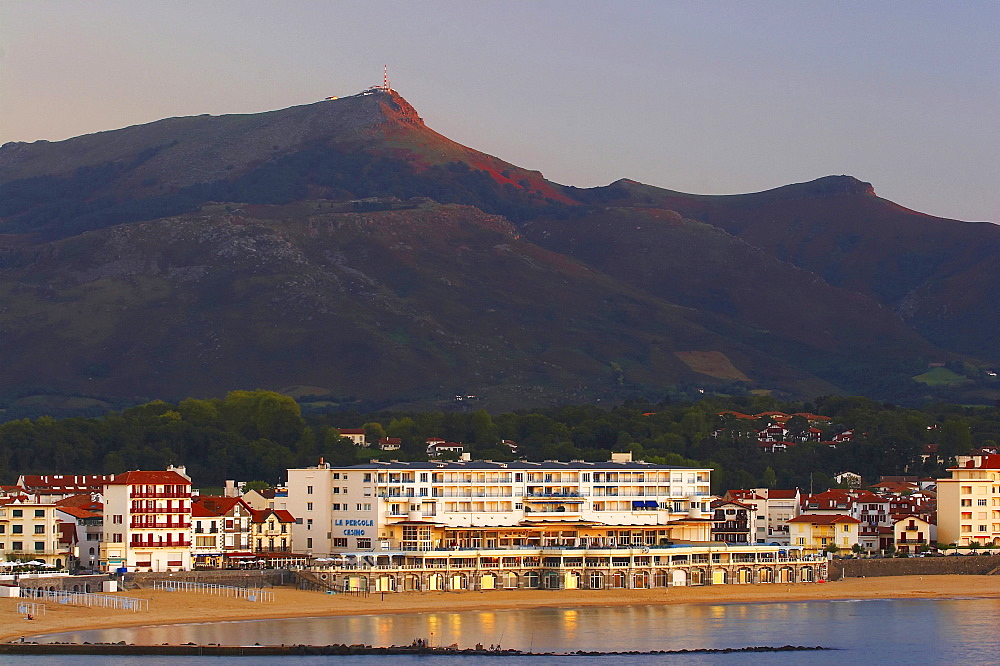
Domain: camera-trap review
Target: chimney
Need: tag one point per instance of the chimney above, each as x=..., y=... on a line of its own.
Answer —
x=621, y=457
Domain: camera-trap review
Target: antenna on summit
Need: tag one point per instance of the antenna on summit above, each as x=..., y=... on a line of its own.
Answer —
x=385, y=78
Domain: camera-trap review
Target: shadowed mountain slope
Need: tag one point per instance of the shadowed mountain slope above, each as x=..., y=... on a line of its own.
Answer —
x=346, y=246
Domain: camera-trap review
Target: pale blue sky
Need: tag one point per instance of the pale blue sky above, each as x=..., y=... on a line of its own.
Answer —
x=707, y=97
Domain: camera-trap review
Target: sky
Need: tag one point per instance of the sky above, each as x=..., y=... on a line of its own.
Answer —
x=709, y=97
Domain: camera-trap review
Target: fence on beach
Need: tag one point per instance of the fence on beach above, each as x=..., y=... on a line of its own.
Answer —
x=30, y=608
x=87, y=599
x=248, y=593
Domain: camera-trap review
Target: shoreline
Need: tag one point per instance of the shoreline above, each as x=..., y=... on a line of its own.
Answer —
x=168, y=608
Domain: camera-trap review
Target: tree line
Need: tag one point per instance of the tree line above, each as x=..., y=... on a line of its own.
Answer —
x=257, y=435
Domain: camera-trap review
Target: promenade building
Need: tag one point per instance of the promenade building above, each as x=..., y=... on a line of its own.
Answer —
x=147, y=521
x=968, y=504
x=458, y=525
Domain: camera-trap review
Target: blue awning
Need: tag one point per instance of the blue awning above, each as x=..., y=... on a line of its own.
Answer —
x=638, y=504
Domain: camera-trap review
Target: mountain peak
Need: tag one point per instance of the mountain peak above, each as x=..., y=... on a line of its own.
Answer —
x=837, y=185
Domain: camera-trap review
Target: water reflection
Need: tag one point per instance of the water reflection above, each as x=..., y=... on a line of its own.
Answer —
x=911, y=629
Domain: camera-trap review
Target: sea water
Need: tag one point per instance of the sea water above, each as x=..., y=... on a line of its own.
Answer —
x=907, y=631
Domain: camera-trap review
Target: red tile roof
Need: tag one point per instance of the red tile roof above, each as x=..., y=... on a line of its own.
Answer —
x=81, y=513
x=214, y=505
x=152, y=477
x=823, y=519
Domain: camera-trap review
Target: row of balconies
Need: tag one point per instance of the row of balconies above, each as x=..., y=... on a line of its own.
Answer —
x=160, y=495
x=154, y=525
x=166, y=543
x=162, y=509
x=202, y=530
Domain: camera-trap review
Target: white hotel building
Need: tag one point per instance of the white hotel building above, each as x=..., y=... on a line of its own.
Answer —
x=483, y=525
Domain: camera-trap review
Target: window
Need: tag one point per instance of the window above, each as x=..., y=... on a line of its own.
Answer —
x=335, y=507
x=17, y=529
x=39, y=545
x=981, y=502
x=367, y=477
x=116, y=538
x=298, y=521
x=17, y=545
x=39, y=513
x=309, y=506
x=423, y=477
x=117, y=520
x=309, y=542
x=309, y=490
x=982, y=528
x=18, y=513
x=340, y=543
x=39, y=529
x=966, y=502
x=364, y=544
x=336, y=490
x=3, y=528
x=309, y=523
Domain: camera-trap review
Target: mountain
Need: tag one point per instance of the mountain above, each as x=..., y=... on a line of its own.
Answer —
x=345, y=248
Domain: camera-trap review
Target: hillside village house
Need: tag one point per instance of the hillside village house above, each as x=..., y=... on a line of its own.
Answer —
x=968, y=503
x=356, y=435
x=147, y=521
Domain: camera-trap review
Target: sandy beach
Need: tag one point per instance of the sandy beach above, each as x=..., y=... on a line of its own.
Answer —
x=180, y=607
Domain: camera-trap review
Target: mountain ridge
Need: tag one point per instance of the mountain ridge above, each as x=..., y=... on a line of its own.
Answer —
x=594, y=291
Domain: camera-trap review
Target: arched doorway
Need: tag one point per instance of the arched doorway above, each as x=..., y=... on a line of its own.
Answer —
x=720, y=577
x=435, y=582
x=744, y=576
x=661, y=578
x=551, y=580
x=459, y=581
x=571, y=581
x=807, y=574
x=640, y=580
x=411, y=583
x=510, y=580
x=618, y=580
x=488, y=581
x=596, y=580
x=532, y=580
x=765, y=575
x=678, y=577
x=786, y=575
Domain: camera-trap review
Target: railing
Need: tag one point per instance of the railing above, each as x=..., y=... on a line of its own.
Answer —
x=87, y=599
x=162, y=509
x=159, y=544
x=160, y=495
x=30, y=608
x=554, y=495
x=248, y=593
x=151, y=525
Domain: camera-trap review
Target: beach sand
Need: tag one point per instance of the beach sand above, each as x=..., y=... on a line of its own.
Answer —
x=179, y=607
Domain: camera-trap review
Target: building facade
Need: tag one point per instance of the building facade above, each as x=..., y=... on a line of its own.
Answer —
x=968, y=503
x=147, y=521
x=422, y=506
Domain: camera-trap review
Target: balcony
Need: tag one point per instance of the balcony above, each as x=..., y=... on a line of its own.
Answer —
x=151, y=525
x=159, y=544
x=562, y=497
x=160, y=495
x=163, y=509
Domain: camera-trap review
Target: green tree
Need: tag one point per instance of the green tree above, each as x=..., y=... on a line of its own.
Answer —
x=769, y=479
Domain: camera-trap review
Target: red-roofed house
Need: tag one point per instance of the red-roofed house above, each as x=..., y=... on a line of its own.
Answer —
x=87, y=517
x=774, y=508
x=271, y=531
x=356, y=435
x=55, y=487
x=147, y=521
x=31, y=531
x=221, y=526
x=817, y=532
x=733, y=522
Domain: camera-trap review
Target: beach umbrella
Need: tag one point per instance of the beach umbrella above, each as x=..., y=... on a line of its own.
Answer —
x=35, y=563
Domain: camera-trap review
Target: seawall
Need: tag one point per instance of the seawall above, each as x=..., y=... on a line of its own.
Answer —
x=976, y=565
